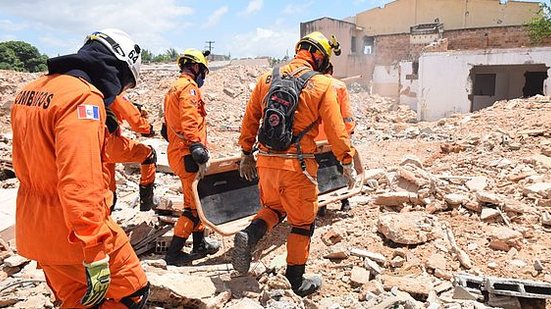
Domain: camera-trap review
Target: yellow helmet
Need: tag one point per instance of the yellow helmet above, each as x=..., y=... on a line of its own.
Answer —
x=317, y=40
x=192, y=55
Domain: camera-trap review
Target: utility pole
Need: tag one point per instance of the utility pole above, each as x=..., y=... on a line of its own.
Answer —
x=209, y=44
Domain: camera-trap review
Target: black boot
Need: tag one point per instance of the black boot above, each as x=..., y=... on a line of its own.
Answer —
x=174, y=255
x=322, y=211
x=345, y=205
x=203, y=247
x=244, y=243
x=146, y=197
x=302, y=286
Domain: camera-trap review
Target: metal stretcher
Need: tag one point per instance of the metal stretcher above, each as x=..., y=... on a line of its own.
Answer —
x=227, y=203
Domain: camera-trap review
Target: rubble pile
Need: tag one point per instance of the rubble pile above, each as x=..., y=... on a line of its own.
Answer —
x=466, y=198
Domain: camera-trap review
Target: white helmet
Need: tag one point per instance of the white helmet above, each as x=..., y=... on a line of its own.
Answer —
x=122, y=46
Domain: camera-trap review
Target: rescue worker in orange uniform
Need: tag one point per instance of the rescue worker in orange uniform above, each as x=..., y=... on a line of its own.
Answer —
x=62, y=218
x=285, y=189
x=347, y=117
x=186, y=128
x=121, y=149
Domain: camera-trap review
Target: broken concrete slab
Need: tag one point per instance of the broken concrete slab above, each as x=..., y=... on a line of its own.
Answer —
x=359, y=276
x=396, y=198
x=408, y=228
x=419, y=286
x=15, y=261
x=489, y=213
x=542, y=189
x=411, y=160
x=477, y=184
x=173, y=289
x=377, y=257
x=504, y=238
x=373, y=266
x=456, y=199
x=488, y=197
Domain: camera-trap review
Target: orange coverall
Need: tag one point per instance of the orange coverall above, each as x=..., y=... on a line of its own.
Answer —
x=62, y=215
x=120, y=149
x=186, y=124
x=284, y=189
x=346, y=111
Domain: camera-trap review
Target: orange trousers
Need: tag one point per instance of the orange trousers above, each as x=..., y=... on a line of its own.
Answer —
x=291, y=194
x=189, y=221
x=68, y=282
x=120, y=149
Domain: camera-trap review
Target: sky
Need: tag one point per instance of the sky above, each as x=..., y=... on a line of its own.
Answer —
x=241, y=28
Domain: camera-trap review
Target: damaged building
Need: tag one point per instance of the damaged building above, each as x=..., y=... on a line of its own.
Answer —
x=389, y=49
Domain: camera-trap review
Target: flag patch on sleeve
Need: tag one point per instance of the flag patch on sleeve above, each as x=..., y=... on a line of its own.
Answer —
x=86, y=111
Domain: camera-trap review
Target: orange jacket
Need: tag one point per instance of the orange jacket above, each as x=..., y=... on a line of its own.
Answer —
x=346, y=111
x=125, y=110
x=58, y=138
x=317, y=100
x=184, y=116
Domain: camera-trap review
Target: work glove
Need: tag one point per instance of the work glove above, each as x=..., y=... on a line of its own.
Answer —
x=98, y=278
x=247, y=166
x=201, y=156
x=151, y=132
x=349, y=172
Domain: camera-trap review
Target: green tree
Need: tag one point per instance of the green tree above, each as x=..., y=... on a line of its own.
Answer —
x=172, y=54
x=21, y=56
x=539, y=27
x=147, y=56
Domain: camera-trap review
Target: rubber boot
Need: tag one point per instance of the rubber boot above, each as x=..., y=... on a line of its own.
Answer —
x=244, y=243
x=302, y=286
x=345, y=205
x=322, y=211
x=174, y=255
x=203, y=247
x=146, y=197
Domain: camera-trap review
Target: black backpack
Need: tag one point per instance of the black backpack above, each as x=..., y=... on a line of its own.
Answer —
x=280, y=104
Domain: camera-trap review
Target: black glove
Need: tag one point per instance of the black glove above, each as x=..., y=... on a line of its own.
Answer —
x=164, y=132
x=199, y=153
x=151, y=132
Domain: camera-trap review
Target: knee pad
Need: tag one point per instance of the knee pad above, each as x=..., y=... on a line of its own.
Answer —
x=308, y=232
x=152, y=158
x=193, y=218
x=280, y=216
x=143, y=293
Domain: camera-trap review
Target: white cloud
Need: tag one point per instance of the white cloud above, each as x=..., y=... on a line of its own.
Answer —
x=145, y=20
x=252, y=7
x=274, y=41
x=215, y=17
x=296, y=8
x=10, y=26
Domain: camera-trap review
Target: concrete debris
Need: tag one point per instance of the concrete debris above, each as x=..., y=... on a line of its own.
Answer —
x=377, y=257
x=455, y=199
x=173, y=289
x=477, y=184
x=408, y=228
x=359, y=276
x=503, y=238
x=489, y=213
x=488, y=197
x=396, y=198
x=485, y=174
x=15, y=261
x=413, y=160
x=542, y=189
x=416, y=286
